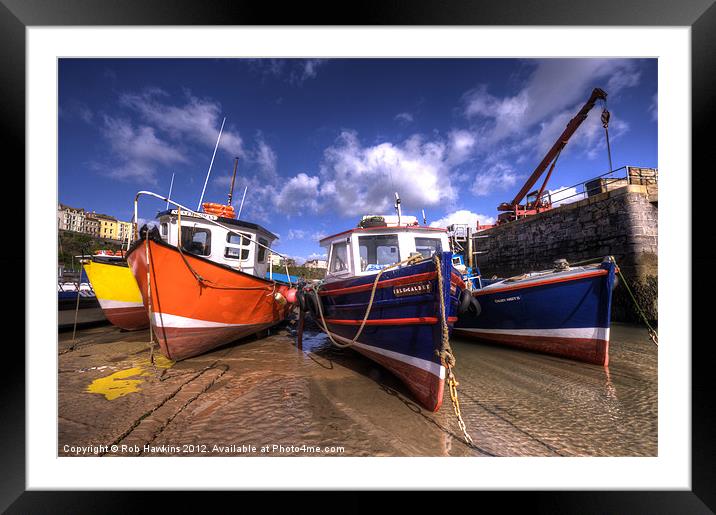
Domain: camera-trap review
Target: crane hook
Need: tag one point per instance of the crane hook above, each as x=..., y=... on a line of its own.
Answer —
x=605, y=118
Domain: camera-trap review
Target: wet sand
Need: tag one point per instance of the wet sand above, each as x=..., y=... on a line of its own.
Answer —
x=265, y=397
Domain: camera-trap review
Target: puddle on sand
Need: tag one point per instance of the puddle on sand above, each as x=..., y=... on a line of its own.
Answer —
x=119, y=383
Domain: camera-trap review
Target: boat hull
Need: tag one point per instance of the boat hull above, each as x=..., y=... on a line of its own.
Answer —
x=191, y=317
x=403, y=332
x=565, y=314
x=118, y=294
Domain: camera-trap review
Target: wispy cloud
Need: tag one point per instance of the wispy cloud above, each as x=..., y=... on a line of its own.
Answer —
x=137, y=151
x=404, y=117
x=518, y=128
x=196, y=119
x=292, y=71
x=498, y=177
x=654, y=107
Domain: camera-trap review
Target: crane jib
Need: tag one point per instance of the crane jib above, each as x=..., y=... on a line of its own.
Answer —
x=574, y=123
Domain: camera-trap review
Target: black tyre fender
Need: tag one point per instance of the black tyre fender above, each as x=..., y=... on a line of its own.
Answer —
x=312, y=303
x=301, y=300
x=475, y=307
x=464, y=301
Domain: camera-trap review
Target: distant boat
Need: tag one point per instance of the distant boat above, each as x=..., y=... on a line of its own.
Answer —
x=404, y=330
x=564, y=311
x=84, y=310
x=201, y=275
x=117, y=291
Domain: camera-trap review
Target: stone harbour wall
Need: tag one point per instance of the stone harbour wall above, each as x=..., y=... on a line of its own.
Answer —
x=622, y=222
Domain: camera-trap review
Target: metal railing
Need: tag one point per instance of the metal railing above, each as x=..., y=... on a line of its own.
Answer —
x=625, y=174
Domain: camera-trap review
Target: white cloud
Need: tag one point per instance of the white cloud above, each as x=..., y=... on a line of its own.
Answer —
x=198, y=119
x=499, y=176
x=297, y=234
x=266, y=159
x=463, y=216
x=137, y=151
x=404, y=117
x=298, y=194
x=564, y=195
x=359, y=180
x=461, y=144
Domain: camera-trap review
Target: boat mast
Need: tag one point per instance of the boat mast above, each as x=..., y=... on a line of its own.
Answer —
x=211, y=164
x=233, y=178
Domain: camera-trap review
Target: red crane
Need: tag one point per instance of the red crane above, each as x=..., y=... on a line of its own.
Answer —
x=514, y=209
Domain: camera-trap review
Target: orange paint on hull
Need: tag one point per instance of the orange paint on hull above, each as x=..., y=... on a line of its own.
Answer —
x=189, y=317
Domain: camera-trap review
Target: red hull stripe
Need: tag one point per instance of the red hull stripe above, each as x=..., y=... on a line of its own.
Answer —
x=426, y=276
x=522, y=286
x=581, y=349
x=391, y=321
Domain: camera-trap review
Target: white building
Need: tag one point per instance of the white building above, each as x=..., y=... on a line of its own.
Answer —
x=316, y=263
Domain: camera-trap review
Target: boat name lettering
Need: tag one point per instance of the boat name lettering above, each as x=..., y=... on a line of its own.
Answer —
x=507, y=299
x=200, y=215
x=413, y=289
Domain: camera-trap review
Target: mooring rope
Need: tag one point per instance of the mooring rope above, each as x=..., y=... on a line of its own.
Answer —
x=446, y=355
x=653, y=335
x=316, y=289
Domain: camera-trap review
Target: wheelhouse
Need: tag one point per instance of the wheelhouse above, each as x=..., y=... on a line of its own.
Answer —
x=246, y=246
x=366, y=250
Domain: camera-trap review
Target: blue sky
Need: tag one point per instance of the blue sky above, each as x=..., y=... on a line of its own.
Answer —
x=322, y=142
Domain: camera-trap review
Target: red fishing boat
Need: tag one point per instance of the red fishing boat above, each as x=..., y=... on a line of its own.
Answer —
x=202, y=279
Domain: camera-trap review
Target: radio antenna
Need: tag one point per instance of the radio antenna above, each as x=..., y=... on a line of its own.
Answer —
x=211, y=164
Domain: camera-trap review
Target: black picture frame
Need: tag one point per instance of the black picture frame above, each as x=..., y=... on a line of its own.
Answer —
x=700, y=15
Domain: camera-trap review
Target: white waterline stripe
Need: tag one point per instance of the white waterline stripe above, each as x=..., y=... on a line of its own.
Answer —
x=167, y=320
x=113, y=304
x=595, y=333
x=428, y=366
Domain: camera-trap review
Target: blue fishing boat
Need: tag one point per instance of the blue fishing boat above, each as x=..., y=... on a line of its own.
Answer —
x=564, y=311
x=391, y=293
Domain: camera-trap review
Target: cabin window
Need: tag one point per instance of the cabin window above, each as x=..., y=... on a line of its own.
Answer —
x=428, y=246
x=241, y=251
x=378, y=251
x=236, y=253
x=196, y=241
x=339, y=257
x=262, y=250
x=238, y=239
x=165, y=229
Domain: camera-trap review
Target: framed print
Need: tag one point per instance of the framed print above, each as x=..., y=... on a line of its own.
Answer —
x=467, y=197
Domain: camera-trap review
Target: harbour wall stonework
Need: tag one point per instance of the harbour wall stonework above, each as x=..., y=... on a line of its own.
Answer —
x=621, y=222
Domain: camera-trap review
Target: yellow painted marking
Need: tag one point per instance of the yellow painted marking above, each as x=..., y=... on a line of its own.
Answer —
x=118, y=384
